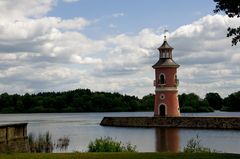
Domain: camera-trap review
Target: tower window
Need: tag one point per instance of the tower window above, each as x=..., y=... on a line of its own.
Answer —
x=162, y=79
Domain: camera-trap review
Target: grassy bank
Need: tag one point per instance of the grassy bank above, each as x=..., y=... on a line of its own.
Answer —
x=120, y=156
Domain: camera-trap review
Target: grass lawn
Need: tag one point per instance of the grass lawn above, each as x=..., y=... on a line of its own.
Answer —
x=119, y=156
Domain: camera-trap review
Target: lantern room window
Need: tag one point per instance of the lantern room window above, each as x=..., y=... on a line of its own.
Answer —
x=167, y=55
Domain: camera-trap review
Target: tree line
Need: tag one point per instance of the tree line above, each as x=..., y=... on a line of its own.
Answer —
x=212, y=101
x=84, y=100
x=80, y=100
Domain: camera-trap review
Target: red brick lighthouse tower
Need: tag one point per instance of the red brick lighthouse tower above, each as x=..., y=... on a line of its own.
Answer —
x=166, y=82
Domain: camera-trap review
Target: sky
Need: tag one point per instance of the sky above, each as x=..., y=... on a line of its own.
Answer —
x=109, y=45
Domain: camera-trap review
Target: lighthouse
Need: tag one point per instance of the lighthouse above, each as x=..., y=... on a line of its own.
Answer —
x=166, y=83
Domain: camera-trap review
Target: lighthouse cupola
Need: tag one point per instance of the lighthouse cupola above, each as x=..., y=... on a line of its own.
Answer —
x=166, y=83
x=165, y=50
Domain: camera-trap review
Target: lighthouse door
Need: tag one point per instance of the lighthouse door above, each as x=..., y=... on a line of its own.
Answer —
x=162, y=110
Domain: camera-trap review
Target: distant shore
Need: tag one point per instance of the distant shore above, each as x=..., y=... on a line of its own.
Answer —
x=84, y=100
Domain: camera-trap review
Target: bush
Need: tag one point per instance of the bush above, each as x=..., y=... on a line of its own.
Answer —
x=194, y=146
x=107, y=144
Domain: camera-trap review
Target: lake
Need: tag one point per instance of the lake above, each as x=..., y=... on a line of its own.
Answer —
x=82, y=128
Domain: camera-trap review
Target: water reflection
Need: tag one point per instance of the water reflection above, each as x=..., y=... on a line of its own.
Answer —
x=167, y=139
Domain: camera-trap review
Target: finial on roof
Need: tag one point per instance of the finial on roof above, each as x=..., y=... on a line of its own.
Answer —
x=165, y=34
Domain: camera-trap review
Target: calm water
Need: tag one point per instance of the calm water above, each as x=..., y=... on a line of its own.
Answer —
x=81, y=128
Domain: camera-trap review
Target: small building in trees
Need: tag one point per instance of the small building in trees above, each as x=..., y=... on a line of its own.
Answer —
x=166, y=83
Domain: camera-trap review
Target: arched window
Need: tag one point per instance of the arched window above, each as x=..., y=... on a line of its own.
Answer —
x=162, y=79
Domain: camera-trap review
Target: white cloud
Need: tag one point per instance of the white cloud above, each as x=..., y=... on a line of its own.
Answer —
x=8, y=57
x=116, y=15
x=87, y=60
x=24, y=8
x=76, y=23
x=31, y=29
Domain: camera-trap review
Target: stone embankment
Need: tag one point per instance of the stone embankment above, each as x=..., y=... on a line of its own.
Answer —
x=13, y=137
x=175, y=122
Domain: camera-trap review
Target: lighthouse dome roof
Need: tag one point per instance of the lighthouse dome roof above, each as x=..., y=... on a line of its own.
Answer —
x=165, y=45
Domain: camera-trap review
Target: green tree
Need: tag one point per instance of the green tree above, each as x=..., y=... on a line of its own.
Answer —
x=7, y=104
x=147, y=102
x=232, y=102
x=19, y=106
x=98, y=102
x=214, y=100
x=231, y=8
x=193, y=103
x=27, y=100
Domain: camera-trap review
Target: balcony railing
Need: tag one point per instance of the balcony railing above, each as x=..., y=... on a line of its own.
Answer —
x=176, y=82
x=154, y=83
